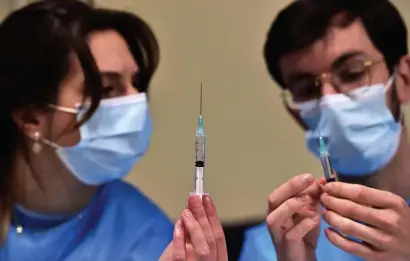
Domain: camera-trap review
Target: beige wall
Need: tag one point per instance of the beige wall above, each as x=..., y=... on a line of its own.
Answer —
x=252, y=144
x=4, y=8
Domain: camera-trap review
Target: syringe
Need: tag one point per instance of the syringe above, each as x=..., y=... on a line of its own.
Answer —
x=200, y=153
x=328, y=171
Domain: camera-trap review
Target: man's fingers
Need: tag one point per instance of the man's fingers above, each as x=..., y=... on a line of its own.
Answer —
x=313, y=191
x=218, y=232
x=299, y=231
x=289, y=189
x=365, y=195
x=277, y=218
x=348, y=245
x=354, y=229
x=179, y=251
x=321, y=181
x=294, y=238
x=197, y=209
x=198, y=240
x=307, y=212
x=366, y=214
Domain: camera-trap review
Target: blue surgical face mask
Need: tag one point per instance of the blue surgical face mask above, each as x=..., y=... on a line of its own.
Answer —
x=361, y=133
x=112, y=140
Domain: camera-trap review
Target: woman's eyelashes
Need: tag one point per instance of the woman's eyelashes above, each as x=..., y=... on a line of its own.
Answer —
x=114, y=88
x=108, y=91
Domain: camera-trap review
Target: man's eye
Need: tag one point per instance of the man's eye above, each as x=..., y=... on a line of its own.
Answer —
x=352, y=75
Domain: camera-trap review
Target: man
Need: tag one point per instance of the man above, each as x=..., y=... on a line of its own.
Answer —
x=345, y=73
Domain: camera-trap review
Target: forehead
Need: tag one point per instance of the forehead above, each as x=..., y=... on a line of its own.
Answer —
x=318, y=57
x=111, y=51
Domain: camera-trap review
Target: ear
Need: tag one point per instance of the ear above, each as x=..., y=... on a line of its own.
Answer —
x=403, y=80
x=29, y=121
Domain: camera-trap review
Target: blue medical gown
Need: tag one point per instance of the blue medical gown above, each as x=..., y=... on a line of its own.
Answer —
x=119, y=224
x=258, y=246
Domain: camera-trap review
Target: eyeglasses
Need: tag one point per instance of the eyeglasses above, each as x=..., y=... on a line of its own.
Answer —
x=346, y=77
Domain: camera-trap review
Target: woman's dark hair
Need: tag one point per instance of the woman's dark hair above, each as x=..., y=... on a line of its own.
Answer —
x=138, y=35
x=36, y=43
x=303, y=22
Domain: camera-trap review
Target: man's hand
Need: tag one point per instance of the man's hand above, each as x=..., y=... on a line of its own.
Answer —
x=379, y=218
x=294, y=218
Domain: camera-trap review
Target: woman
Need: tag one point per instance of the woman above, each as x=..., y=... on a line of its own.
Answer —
x=69, y=142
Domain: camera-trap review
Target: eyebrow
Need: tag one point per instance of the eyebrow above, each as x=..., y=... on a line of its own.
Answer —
x=345, y=57
x=110, y=74
x=114, y=74
x=336, y=63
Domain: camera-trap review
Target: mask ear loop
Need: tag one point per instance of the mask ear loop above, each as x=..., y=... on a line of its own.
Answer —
x=390, y=82
x=64, y=109
x=50, y=143
x=400, y=115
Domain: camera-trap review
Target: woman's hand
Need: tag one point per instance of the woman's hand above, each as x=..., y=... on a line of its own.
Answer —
x=198, y=235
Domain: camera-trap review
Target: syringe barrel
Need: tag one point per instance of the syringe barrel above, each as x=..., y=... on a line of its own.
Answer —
x=328, y=171
x=200, y=148
x=199, y=180
x=199, y=163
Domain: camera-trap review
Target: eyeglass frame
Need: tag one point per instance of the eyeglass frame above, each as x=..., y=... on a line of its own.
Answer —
x=327, y=76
